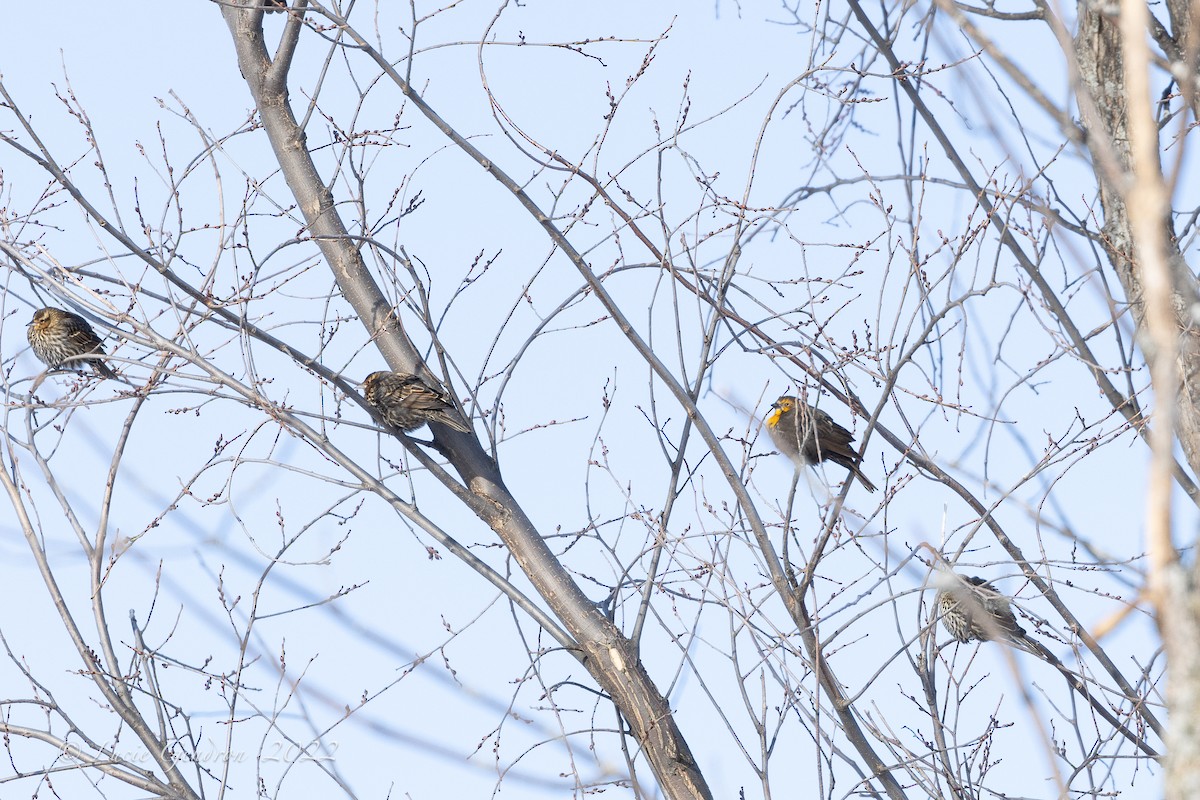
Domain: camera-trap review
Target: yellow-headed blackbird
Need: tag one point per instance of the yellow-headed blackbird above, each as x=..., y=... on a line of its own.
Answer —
x=808, y=435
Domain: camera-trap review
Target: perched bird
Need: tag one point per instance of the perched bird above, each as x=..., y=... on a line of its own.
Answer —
x=58, y=335
x=971, y=608
x=808, y=435
x=407, y=402
x=974, y=609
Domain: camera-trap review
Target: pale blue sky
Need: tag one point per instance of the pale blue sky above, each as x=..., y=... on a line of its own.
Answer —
x=571, y=461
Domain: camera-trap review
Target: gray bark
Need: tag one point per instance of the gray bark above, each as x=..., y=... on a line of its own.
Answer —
x=1107, y=108
x=608, y=655
x=1105, y=112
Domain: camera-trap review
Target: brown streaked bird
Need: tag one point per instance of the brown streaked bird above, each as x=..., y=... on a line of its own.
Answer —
x=407, y=402
x=808, y=435
x=972, y=608
x=57, y=336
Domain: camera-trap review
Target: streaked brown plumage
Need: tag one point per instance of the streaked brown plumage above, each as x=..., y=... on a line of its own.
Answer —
x=407, y=402
x=808, y=435
x=57, y=336
x=974, y=609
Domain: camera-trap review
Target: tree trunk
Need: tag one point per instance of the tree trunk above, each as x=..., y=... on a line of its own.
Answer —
x=1114, y=102
x=608, y=655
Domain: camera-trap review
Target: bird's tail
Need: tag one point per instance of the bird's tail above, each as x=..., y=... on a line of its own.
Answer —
x=452, y=420
x=851, y=465
x=102, y=368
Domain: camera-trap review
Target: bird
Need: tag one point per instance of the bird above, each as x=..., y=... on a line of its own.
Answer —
x=57, y=336
x=808, y=435
x=407, y=402
x=972, y=608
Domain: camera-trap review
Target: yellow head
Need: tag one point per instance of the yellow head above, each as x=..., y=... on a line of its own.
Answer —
x=783, y=405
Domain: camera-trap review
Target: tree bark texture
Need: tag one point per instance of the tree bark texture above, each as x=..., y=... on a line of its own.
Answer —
x=1161, y=292
x=608, y=655
x=1104, y=108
